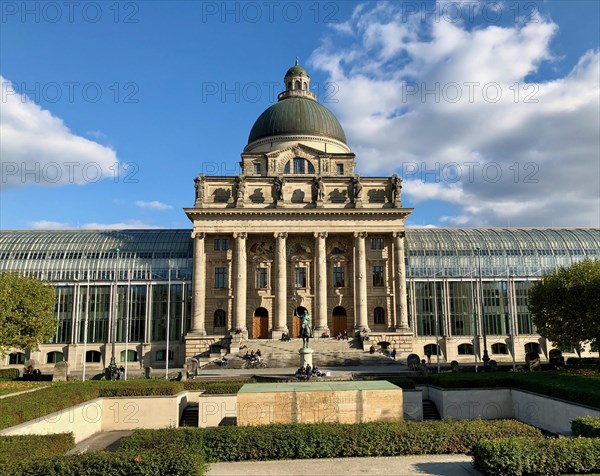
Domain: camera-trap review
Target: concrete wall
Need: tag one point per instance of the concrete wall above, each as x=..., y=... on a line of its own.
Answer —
x=213, y=408
x=413, y=404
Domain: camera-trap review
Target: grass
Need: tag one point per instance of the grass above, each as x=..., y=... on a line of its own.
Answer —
x=12, y=386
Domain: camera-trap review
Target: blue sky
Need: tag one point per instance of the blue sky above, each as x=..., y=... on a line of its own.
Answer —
x=490, y=111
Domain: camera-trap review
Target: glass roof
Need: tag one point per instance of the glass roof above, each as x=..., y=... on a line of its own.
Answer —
x=430, y=252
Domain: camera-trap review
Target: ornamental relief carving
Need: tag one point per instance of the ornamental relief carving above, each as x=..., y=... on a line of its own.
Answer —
x=299, y=249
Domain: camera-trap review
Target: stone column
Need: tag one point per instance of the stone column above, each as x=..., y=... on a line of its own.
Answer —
x=362, y=321
x=280, y=322
x=400, y=284
x=321, y=284
x=240, y=284
x=199, y=286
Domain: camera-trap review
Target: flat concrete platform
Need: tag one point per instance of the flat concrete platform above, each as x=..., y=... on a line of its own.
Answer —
x=103, y=441
x=316, y=386
x=435, y=465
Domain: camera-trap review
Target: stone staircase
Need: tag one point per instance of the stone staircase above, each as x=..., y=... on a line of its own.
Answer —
x=430, y=411
x=190, y=415
x=327, y=353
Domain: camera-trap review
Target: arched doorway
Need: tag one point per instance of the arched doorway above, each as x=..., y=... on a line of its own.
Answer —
x=296, y=321
x=260, y=324
x=339, y=320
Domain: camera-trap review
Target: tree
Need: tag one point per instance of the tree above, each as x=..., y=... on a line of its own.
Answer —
x=565, y=305
x=26, y=312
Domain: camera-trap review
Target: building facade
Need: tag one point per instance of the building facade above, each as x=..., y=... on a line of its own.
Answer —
x=297, y=230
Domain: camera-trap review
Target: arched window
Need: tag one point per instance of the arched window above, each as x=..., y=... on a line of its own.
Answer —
x=431, y=349
x=93, y=356
x=466, y=349
x=297, y=85
x=220, y=318
x=54, y=357
x=289, y=85
x=379, y=315
x=300, y=166
x=532, y=348
x=304, y=86
x=132, y=356
x=499, y=349
x=160, y=355
x=16, y=358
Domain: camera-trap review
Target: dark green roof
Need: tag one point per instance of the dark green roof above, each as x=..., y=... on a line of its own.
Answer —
x=297, y=115
x=296, y=70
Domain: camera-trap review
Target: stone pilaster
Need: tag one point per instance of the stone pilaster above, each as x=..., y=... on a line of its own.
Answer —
x=280, y=321
x=240, y=284
x=199, y=286
x=400, y=284
x=321, y=282
x=362, y=319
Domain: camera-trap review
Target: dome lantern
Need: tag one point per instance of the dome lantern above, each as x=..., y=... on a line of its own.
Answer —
x=297, y=83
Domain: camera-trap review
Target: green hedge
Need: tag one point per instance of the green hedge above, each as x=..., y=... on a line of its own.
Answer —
x=326, y=440
x=517, y=456
x=15, y=449
x=140, y=388
x=586, y=426
x=9, y=374
x=174, y=462
x=216, y=387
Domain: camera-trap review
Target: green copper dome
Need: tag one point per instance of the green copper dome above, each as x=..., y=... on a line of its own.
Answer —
x=296, y=70
x=297, y=115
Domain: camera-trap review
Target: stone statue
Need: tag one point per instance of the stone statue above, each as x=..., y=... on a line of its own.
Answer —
x=305, y=330
x=396, y=189
x=278, y=184
x=318, y=189
x=356, y=189
x=199, y=185
x=240, y=188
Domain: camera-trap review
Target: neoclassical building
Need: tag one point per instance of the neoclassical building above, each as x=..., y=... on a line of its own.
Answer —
x=298, y=228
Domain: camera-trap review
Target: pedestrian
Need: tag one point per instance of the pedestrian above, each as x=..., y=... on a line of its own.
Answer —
x=393, y=354
x=428, y=354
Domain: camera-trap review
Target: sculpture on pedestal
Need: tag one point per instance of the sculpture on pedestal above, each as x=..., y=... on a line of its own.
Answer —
x=305, y=330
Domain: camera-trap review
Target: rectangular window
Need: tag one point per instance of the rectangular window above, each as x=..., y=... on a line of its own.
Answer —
x=301, y=277
x=261, y=278
x=339, y=169
x=338, y=277
x=299, y=166
x=221, y=244
x=257, y=169
x=220, y=278
x=217, y=244
x=377, y=243
x=377, y=276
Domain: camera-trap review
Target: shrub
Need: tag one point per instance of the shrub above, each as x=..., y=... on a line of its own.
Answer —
x=14, y=449
x=402, y=382
x=9, y=374
x=175, y=462
x=141, y=388
x=586, y=426
x=327, y=440
x=216, y=387
x=516, y=456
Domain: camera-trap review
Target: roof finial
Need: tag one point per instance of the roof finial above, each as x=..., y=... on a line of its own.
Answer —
x=296, y=61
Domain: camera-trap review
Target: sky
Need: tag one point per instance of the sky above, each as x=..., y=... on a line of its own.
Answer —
x=489, y=111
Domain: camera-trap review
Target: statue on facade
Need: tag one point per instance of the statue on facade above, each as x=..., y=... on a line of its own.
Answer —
x=396, y=189
x=240, y=189
x=305, y=329
x=278, y=189
x=318, y=189
x=200, y=186
x=356, y=189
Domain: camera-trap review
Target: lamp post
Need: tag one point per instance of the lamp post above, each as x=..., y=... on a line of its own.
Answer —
x=113, y=363
x=486, y=357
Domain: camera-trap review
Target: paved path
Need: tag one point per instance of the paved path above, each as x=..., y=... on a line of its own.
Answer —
x=435, y=465
x=105, y=440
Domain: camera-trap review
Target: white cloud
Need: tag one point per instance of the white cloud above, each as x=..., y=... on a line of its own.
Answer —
x=127, y=225
x=419, y=98
x=49, y=225
x=37, y=147
x=154, y=205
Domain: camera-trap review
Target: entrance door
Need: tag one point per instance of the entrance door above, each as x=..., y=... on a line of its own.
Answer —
x=340, y=320
x=260, y=324
x=296, y=324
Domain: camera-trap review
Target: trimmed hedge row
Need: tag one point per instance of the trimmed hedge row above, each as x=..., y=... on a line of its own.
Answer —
x=574, y=388
x=327, y=440
x=174, y=462
x=14, y=449
x=9, y=374
x=586, y=426
x=548, y=456
x=216, y=387
x=29, y=406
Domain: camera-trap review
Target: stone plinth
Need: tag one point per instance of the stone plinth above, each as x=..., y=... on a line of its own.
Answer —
x=306, y=357
x=318, y=402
